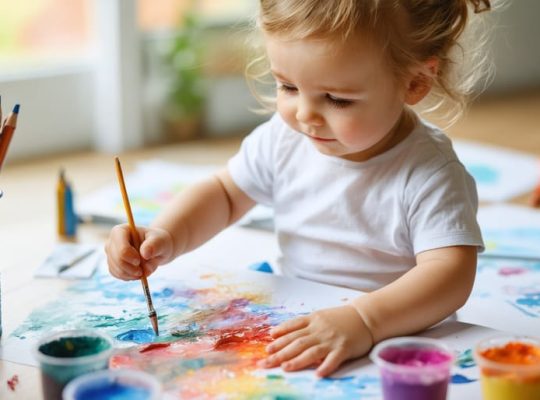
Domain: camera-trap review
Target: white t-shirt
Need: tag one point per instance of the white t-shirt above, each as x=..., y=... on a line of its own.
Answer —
x=358, y=224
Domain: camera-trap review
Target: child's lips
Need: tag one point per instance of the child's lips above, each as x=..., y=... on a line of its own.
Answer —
x=319, y=139
x=322, y=139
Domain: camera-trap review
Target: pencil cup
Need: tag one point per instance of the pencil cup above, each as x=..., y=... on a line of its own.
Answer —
x=66, y=355
x=413, y=368
x=509, y=367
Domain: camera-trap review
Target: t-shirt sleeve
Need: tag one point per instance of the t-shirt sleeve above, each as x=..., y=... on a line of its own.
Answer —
x=252, y=167
x=443, y=211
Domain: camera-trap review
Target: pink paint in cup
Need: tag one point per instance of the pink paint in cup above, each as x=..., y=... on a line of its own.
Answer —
x=413, y=368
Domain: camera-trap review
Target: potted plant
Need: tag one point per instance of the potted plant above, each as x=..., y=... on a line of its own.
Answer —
x=183, y=111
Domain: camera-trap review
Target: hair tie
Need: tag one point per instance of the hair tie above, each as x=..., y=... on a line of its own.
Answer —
x=481, y=5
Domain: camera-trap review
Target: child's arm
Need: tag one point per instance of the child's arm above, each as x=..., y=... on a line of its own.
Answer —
x=202, y=211
x=437, y=286
x=192, y=218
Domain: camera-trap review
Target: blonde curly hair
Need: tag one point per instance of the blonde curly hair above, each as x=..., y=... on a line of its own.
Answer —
x=409, y=31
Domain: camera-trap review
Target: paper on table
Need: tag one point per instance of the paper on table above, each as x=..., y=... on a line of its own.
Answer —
x=500, y=174
x=151, y=186
x=510, y=231
x=210, y=296
x=70, y=261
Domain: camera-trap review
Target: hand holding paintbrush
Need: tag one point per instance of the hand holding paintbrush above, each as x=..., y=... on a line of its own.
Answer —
x=137, y=244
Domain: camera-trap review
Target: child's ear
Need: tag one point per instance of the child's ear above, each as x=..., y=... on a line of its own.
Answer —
x=421, y=81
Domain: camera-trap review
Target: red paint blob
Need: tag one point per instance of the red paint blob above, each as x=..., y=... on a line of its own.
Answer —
x=13, y=382
x=154, y=346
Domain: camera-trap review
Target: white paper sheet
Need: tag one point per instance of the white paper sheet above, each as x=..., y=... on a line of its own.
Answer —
x=510, y=231
x=70, y=261
x=150, y=187
x=500, y=174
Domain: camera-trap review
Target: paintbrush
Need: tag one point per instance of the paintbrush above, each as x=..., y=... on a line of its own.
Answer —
x=136, y=243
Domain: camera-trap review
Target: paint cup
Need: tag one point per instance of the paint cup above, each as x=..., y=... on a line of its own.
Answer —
x=509, y=367
x=117, y=384
x=413, y=368
x=66, y=355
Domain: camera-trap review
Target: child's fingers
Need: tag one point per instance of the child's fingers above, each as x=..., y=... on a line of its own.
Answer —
x=289, y=326
x=157, y=245
x=284, y=340
x=119, y=246
x=128, y=255
x=151, y=248
x=332, y=362
x=149, y=267
x=305, y=359
x=122, y=270
x=290, y=351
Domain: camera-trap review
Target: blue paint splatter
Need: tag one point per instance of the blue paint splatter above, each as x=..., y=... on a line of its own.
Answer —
x=524, y=311
x=483, y=174
x=530, y=300
x=461, y=379
x=139, y=336
x=166, y=292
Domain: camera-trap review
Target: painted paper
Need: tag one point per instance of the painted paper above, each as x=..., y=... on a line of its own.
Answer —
x=511, y=231
x=214, y=328
x=148, y=195
x=500, y=173
x=505, y=296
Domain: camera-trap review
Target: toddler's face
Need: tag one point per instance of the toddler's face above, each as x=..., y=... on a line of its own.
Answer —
x=342, y=96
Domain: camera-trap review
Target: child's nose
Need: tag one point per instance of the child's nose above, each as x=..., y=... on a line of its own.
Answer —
x=307, y=113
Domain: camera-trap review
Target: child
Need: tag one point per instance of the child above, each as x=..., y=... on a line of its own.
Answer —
x=366, y=194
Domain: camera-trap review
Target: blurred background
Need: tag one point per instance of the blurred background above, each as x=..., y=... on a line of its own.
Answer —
x=112, y=75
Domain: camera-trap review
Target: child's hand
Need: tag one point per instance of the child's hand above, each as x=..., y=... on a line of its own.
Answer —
x=125, y=261
x=327, y=337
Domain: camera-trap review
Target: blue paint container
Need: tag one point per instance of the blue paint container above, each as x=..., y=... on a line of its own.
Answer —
x=115, y=384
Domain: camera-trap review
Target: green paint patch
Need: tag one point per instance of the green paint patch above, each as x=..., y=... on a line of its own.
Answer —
x=274, y=377
x=188, y=334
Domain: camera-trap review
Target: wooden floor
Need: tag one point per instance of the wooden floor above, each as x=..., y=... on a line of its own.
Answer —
x=27, y=210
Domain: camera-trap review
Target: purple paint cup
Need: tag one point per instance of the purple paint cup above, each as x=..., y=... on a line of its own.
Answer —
x=413, y=368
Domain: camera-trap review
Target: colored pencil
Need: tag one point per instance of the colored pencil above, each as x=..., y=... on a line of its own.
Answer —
x=136, y=243
x=7, y=133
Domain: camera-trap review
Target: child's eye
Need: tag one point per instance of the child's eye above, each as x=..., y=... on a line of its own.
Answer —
x=287, y=88
x=337, y=102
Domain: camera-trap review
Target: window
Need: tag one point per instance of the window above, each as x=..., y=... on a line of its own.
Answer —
x=44, y=33
x=166, y=14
